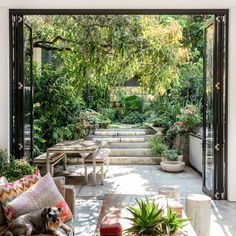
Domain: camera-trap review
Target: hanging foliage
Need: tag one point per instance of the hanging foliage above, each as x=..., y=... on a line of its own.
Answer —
x=107, y=50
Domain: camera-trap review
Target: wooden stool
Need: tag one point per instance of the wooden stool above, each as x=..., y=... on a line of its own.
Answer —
x=198, y=207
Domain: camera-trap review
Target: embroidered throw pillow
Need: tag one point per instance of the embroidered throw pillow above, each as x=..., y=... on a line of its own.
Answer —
x=10, y=191
x=43, y=194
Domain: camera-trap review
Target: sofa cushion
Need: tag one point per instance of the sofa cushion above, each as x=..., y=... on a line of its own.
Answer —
x=43, y=194
x=3, y=181
x=9, y=191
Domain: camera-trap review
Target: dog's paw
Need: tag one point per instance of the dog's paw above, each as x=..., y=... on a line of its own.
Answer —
x=66, y=228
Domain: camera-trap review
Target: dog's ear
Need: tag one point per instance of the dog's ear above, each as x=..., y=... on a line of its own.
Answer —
x=60, y=209
x=49, y=209
x=45, y=211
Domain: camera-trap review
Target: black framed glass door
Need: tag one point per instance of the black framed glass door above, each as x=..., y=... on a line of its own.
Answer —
x=214, y=142
x=22, y=89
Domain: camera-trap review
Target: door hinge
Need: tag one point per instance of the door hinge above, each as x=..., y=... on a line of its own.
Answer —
x=20, y=85
x=223, y=195
x=217, y=195
x=19, y=19
x=217, y=147
x=20, y=146
x=217, y=86
x=218, y=18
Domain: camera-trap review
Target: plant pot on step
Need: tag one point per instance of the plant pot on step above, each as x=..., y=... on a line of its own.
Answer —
x=172, y=166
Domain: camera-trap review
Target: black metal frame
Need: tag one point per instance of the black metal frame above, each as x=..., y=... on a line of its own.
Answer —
x=13, y=12
x=220, y=128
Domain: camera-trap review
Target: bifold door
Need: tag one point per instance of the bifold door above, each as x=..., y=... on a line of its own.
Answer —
x=214, y=142
x=22, y=92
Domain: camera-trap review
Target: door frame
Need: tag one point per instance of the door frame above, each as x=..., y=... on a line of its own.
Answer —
x=225, y=12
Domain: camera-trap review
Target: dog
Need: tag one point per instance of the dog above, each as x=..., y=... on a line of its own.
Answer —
x=44, y=221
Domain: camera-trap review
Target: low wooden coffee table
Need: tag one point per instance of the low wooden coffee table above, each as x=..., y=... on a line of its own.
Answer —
x=116, y=204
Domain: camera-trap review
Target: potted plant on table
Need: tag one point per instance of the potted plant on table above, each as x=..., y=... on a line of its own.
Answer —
x=171, y=161
x=149, y=219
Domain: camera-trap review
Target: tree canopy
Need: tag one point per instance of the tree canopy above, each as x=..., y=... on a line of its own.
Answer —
x=107, y=50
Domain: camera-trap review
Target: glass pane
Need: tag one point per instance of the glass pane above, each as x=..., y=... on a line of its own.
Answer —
x=209, y=158
x=27, y=93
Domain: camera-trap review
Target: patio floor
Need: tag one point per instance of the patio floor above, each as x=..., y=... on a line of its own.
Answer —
x=144, y=180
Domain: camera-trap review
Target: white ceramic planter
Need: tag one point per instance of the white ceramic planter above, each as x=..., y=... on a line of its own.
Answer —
x=172, y=166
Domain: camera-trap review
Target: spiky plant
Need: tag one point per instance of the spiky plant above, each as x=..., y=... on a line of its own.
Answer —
x=172, y=222
x=147, y=218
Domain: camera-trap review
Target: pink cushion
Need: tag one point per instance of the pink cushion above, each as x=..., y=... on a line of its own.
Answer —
x=43, y=194
x=9, y=191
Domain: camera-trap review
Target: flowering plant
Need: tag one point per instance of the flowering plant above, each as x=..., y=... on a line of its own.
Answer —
x=188, y=119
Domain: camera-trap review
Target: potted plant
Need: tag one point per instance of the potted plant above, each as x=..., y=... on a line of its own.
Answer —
x=149, y=219
x=171, y=162
x=157, y=145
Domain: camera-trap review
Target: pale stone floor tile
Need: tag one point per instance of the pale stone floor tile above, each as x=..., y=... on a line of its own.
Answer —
x=144, y=180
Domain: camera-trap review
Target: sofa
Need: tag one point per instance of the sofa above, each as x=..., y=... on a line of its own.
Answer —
x=67, y=191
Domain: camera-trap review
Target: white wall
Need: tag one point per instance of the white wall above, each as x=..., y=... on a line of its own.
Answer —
x=121, y=4
x=232, y=108
x=4, y=79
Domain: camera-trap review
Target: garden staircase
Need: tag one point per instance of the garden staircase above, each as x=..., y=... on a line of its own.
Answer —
x=127, y=145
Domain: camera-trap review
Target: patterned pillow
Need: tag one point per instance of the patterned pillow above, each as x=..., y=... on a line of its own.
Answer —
x=9, y=191
x=42, y=194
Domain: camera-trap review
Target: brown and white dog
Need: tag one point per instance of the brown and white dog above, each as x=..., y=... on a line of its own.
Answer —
x=44, y=221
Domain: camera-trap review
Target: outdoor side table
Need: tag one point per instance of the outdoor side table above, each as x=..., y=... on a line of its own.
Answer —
x=80, y=147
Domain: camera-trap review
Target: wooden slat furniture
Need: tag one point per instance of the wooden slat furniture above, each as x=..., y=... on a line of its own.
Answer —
x=79, y=146
x=54, y=158
x=115, y=204
x=101, y=158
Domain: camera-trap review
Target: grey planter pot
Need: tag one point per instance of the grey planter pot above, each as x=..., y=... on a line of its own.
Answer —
x=172, y=166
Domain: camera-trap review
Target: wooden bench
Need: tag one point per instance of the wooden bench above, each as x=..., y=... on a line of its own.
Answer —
x=54, y=158
x=101, y=158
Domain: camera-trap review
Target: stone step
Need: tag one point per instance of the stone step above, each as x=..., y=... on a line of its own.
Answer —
x=119, y=133
x=135, y=160
x=138, y=152
x=147, y=131
x=127, y=145
x=121, y=139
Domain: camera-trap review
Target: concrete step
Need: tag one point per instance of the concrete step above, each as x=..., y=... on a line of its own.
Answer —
x=127, y=145
x=135, y=160
x=147, y=131
x=122, y=139
x=119, y=133
x=138, y=152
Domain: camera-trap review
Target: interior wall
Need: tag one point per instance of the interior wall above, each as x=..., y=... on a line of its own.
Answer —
x=232, y=107
x=122, y=4
x=4, y=79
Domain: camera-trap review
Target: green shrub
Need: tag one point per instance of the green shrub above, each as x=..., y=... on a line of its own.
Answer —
x=157, y=145
x=104, y=124
x=133, y=118
x=133, y=103
x=109, y=114
x=14, y=169
x=170, y=155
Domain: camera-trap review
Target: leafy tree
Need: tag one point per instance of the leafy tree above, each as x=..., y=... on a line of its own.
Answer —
x=106, y=50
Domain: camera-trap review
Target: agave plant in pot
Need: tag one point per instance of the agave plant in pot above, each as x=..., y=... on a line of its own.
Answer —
x=149, y=219
x=171, y=161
